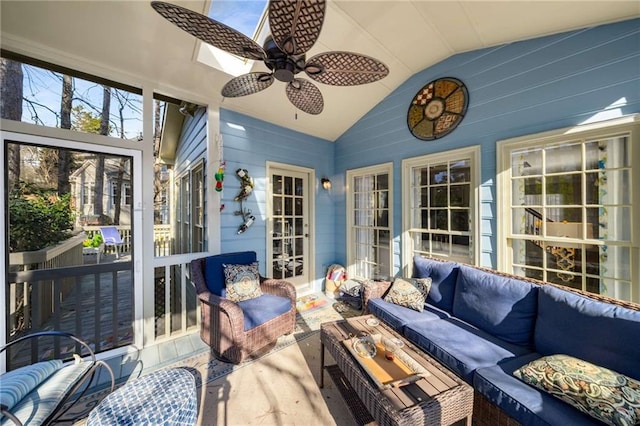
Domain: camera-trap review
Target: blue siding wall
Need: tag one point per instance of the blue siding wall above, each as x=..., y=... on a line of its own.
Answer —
x=248, y=144
x=515, y=89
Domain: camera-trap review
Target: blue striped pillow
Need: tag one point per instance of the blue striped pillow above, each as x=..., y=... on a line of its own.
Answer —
x=16, y=384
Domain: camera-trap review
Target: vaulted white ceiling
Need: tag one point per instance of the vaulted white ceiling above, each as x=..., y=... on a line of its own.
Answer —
x=128, y=41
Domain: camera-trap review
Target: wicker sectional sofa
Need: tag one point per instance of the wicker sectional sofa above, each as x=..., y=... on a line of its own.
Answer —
x=483, y=325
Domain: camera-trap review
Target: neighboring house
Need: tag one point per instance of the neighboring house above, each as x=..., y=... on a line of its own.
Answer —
x=84, y=191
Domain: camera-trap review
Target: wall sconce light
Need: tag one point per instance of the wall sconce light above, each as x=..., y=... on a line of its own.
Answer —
x=326, y=183
x=187, y=108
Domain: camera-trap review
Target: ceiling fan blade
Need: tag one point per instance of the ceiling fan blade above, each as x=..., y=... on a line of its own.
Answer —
x=345, y=69
x=305, y=96
x=296, y=24
x=210, y=31
x=247, y=84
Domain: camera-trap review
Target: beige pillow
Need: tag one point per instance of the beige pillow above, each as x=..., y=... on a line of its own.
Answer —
x=409, y=292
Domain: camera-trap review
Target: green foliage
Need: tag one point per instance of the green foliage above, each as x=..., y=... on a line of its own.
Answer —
x=38, y=219
x=94, y=242
x=86, y=121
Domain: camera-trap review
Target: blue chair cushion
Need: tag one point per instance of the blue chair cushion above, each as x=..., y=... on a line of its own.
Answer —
x=504, y=307
x=41, y=402
x=261, y=309
x=214, y=271
x=397, y=316
x=598, y=332
x=443, y=280
x=16, y=384
x=526, y=404
x=460, y=346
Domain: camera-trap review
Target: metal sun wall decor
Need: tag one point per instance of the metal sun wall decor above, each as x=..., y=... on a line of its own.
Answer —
x=437, y=108
x=295, y=26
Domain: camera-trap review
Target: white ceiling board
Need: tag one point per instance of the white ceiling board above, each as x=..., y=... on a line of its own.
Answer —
x=400, y=28
x=129, y=42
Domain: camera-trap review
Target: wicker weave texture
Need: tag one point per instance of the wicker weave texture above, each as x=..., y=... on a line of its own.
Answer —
x=222, y=321
x=443, y=409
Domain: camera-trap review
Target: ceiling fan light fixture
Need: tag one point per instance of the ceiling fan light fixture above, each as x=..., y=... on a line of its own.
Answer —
x=313, y=69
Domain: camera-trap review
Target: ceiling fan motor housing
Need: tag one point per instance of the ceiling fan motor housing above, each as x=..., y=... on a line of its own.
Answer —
x=284, y=66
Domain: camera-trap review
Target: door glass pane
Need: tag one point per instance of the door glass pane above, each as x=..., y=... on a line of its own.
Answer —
x=69, y=248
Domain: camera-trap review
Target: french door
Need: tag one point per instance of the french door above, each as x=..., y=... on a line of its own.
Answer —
x=289, y=225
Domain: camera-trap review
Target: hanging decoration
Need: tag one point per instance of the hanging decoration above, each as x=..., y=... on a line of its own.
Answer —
x=437, y=108
x=245, y=190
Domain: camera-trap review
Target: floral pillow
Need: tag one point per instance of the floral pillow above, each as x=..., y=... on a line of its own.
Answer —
x=597, y=391
x=409, y=292
x=242, y=281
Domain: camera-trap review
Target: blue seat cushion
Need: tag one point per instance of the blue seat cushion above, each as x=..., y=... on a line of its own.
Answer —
x=214, y=272
x=460, y=346
x=598, y=332
x=504, y=307
x=261, y=309
x=398, y=316
x=443, y=280
x=526, y=404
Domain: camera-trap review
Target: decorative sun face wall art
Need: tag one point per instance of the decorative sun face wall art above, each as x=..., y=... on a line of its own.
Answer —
x=437, y=108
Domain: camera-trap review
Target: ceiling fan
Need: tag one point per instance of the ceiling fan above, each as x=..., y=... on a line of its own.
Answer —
x=295, y=26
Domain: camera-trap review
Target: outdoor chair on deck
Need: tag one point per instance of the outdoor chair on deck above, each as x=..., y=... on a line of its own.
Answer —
x=235, y=330
x=111, y=237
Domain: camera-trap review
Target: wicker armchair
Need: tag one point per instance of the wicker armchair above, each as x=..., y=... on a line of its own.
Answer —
x=223, y=321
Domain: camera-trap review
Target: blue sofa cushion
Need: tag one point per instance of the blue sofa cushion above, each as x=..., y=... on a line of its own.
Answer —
x=460, y=346
x=261, y=309
x=598, y=332
x=526, y=404
x=397, y=316
x=214, y=273
x=504, y=307
x=443, y=280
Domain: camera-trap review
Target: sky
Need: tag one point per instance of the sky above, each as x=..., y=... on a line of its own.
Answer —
x=241, y=15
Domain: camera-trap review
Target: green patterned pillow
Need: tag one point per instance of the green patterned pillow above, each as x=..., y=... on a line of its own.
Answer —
x=602, y=393
x=409, y=292
x=242, y=281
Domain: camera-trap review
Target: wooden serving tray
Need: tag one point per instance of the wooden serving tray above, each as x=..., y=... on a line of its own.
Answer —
x=400, y=371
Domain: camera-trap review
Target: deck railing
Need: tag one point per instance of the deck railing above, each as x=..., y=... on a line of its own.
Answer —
x=97, y=307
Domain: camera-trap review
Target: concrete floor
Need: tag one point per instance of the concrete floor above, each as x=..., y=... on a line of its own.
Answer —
x=279, y=389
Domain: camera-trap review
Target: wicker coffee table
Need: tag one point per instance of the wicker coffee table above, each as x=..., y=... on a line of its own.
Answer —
x=441, y=398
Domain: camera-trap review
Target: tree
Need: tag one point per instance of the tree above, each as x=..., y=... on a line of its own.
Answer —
x=11, y=80
x=98, y=205
x=64, y=156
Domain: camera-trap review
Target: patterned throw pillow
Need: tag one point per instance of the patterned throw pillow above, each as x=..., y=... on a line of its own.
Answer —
x=409, y=292
x=597, y=391
x=242, y=281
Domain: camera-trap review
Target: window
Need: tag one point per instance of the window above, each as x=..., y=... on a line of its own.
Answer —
x=190, y=211
x=56, y=96
x=126, y=199
x=568, y=200
x=368, y=221
x=439, y=201
x=87, y=193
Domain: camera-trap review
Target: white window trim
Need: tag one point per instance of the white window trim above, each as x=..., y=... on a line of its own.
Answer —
x=376, y=169
x=472, y=152
x=608, y=128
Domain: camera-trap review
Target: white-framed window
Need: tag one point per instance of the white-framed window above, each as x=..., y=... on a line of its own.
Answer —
x=190, y=209
x=369, y=221
x=568, y=206
x=126, y=195
x=88, y=193
x=439, y=201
